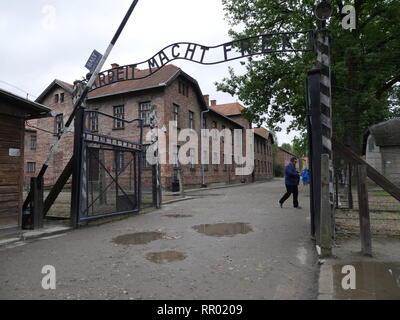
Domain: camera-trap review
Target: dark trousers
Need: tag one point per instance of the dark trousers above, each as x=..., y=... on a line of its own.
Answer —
x=289, y=190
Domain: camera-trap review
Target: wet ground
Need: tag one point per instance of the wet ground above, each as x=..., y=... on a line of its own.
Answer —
x=237, y=245
x=224, y=229
x=138, y=238
x=373, y=281
x=375, y=278
x=165, y=257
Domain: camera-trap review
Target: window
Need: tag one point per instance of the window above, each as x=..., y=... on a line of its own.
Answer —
x=175, y=114
x=183, y=89
x=146, y=164
x=33, y=142
x=204, y=124
x=214, y=126
x=223, y=130
x=56, y=98
x=93, y=121
x=31, y=167
x=144, y=109
x=191, y=120
x=59, y=123
x=62, y=97
x=119, y=161
x=223, y=135
x=119, y=112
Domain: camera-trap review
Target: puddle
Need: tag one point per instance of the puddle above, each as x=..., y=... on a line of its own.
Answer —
x=178, y=215
x=374, y=281
x=138, y=238
x=166, y=256
x=224, y=229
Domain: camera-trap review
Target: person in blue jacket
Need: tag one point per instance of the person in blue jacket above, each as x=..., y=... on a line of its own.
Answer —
x=292, y=180
x=305, y=175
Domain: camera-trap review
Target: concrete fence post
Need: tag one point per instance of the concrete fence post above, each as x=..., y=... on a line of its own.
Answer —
x=363, y=207
x=326, y=209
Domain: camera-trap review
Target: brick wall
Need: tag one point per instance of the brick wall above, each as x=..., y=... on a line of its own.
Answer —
x=30, y=154
x=45, y=139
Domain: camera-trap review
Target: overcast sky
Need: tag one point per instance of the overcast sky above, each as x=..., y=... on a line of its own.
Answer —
x=47, y=39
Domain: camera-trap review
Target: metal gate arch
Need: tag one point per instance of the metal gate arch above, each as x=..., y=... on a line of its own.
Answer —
x=86, y=141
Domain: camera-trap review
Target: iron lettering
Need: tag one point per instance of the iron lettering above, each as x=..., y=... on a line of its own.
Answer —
x=257, y=45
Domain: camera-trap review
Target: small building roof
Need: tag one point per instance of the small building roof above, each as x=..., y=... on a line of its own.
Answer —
x=387, y=133
x=263, y=132
x=288, y=152
x=225, y=117
x=229, y=109
x=162, y=78
x=62, y=84
x=14, y=105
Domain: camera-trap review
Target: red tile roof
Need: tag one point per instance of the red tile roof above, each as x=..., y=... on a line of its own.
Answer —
x=262, y=132
x=229, y=108
x=160, y=78
x=71, y=86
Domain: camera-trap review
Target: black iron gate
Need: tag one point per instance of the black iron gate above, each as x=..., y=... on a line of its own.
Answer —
x=110, y=168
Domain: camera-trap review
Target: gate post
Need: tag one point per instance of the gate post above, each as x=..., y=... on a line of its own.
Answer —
x=324, y=62
x=34, y=220
x=315, y=147
x=76, y=193
x=156, y=179
x=319, y=103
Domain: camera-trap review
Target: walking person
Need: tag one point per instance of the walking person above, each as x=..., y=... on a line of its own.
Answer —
x=292, y=180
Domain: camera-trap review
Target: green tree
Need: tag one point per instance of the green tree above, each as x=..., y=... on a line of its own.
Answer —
x=365, y=64
x=300, y=145
x=287, y=147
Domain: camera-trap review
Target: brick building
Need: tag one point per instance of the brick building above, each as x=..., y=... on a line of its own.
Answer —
x=263, y=140
x=175, y=96
x=283, y=158
x=41, y=134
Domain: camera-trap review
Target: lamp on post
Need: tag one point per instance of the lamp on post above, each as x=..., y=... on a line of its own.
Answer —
x=323, y=11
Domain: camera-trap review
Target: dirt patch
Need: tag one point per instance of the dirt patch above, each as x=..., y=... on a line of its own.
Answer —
x=382, y=223
x=165, y=257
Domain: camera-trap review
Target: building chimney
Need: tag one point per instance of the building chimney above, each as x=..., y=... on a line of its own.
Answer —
x=213, y=103
x=207, y=99
x=114, y=65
